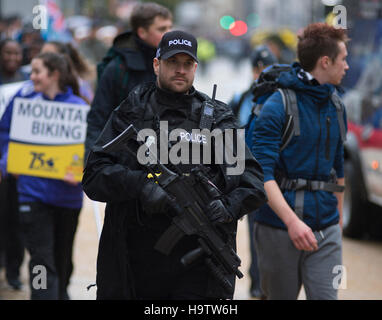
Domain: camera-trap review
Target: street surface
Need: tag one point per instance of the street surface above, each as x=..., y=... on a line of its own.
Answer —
x=362, y=259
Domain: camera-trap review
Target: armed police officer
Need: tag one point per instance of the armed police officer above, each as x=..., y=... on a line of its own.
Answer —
x=139, y=211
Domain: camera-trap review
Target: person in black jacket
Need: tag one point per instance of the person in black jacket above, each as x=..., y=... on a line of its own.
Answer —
x=11, y=240
x=134, y=51
x=138, y=211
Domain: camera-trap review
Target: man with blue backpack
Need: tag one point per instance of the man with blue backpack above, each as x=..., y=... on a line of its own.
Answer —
x=297, y=135
x=127, y=63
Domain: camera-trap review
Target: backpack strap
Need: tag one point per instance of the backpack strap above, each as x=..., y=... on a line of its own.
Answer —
x=291, y=128
x=340, y=114
x=291, y=108
x=292, y=122
x=237, y=106
x=255, y=112
x=310, y=185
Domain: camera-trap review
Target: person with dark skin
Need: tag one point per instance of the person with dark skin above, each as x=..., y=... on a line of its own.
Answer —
x=11, y=243
x=10, y=62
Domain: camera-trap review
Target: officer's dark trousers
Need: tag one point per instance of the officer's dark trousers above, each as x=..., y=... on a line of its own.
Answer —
x=13, y=246
x=49, y=234
x=159, y=277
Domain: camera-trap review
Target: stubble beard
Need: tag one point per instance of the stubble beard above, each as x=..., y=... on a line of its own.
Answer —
x=168, y=86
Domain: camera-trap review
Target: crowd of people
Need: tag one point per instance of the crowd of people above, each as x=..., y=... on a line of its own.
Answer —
x=37, y=214
x=288, y=191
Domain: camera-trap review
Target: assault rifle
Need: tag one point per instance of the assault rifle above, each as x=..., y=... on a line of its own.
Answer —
x=191, y=195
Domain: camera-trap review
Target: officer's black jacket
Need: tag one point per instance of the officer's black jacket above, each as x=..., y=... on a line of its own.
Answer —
x=116, y=178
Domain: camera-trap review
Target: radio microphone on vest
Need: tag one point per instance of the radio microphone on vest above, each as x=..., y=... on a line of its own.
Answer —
x=207, y=113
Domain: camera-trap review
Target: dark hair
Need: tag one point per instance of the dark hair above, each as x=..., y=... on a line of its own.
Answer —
x=8, y=40
x=55, y=61
x=318, y=40
x=262, y=57
x=143, y=15
x=79, y=64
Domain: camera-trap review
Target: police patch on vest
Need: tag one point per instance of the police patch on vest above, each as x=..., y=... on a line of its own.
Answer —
x=180, y=147
x=193, y=137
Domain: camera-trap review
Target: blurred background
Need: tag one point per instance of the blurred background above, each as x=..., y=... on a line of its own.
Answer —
x=229, y=28
x=225, y=28
x=227, y=32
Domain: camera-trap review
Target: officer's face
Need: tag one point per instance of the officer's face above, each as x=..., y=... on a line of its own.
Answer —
x=176, y=73
x=154, y=33
x=337, y=67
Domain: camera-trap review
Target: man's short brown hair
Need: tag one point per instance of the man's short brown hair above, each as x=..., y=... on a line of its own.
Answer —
x=143, y=15
x=318, y=40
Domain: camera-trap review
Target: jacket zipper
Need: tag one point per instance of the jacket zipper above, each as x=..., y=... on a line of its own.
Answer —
x=316, y=169
x=327, y=145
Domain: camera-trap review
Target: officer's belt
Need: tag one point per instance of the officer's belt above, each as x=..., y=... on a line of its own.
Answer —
x=309, y=185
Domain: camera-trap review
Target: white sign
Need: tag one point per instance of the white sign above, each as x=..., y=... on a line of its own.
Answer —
x=40, y=20
x=7, y=91
x=340, y=19
x=48, y=122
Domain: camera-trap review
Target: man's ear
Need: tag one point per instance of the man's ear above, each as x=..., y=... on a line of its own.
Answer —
x=324, y=62
x=141, y=32
x=156, y=66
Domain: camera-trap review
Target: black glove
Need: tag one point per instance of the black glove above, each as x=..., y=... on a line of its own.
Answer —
x=154, y=199
x=218, y=213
